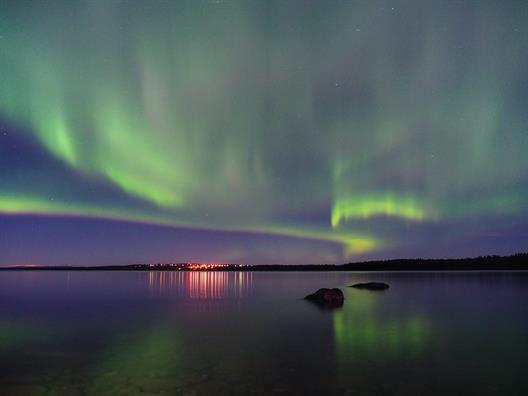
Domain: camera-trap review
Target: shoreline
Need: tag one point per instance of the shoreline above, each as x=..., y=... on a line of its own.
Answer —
x=517, y=262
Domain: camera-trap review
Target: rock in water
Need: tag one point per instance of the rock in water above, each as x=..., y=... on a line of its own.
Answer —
x=371, y=286
x=330, y=297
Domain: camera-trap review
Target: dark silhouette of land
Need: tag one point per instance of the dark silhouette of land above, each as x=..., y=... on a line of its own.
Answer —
x=484, y=263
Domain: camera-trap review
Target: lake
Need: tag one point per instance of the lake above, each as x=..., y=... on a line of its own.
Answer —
x=241, y=333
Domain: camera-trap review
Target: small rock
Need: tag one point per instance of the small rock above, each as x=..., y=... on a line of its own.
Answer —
x=327, y=297
x=376, y=286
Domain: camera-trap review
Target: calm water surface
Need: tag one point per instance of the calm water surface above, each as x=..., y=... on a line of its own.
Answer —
x=218, y=333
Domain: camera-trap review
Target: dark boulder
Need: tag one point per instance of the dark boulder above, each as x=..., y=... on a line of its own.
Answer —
x=327, y=297
x=371, y=286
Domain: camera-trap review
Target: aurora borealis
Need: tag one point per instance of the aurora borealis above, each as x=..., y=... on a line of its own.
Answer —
x=262, y=131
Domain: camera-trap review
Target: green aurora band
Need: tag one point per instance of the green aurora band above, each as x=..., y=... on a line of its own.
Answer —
x=255, y=116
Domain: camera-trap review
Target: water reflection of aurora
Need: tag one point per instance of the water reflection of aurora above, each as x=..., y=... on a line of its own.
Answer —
x=149, y=362
x=361, y=329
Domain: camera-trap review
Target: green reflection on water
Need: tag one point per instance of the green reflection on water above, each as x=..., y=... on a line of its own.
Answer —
x=146, y=363
x=16, y=333
x=362, y=329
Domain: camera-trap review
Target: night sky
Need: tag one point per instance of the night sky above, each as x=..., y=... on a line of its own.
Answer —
x=262, y=131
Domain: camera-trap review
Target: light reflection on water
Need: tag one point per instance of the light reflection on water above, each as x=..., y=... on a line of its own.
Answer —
x=201, y=285
x=225, y=333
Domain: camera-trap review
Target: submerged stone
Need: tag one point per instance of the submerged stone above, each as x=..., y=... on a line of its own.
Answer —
x=371, y=286
x=328, y=297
